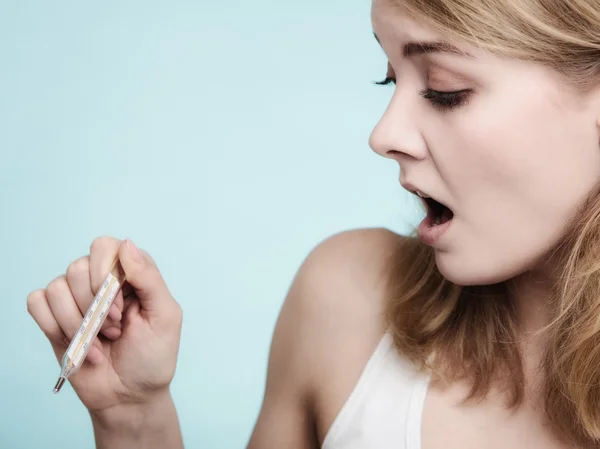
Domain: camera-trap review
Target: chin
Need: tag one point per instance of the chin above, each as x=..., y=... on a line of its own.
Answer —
x=465, y=271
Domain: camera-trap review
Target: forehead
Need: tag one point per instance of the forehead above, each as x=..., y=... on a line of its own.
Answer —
x=390, y=14
x=391, y=23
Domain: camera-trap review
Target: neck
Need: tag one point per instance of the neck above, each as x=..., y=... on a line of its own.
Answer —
x=531, y=294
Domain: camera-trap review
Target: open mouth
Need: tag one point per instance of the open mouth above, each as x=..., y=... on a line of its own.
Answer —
x=437, y=213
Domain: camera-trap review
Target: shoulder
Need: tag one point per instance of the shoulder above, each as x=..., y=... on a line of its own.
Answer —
x=342, y=280
x=341, y=290
x=329, y=324
x=346, y=260
x=345, y=275
x=337, y=300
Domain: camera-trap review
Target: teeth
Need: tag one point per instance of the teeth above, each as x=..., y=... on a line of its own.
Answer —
x=421, y=194
x=437, y=221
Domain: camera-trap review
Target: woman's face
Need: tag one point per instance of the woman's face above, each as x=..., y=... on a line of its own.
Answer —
x=512, y=156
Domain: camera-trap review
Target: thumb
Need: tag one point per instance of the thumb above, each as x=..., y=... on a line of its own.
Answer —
x=144, y=277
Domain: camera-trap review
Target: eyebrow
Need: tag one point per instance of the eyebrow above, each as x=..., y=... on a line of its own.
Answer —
x=426, y=47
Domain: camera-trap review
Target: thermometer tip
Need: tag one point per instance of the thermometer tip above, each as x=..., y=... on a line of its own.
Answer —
x=59, y=384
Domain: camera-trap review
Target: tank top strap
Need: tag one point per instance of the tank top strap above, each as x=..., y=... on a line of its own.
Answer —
x=385, y=407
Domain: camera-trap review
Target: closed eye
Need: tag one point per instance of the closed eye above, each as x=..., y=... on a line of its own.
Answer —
x=440, y=99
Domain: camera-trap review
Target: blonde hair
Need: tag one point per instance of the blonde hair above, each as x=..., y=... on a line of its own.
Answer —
x=472, y=330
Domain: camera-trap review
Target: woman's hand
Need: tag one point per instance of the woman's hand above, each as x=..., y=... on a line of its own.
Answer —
x=132, y=361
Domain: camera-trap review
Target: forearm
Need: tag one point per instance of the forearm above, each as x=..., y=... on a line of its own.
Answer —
x=152, y=426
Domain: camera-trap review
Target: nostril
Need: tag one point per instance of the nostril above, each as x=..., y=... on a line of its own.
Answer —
x=399, y=156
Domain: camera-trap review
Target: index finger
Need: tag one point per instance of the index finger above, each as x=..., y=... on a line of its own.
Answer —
x=103, y=252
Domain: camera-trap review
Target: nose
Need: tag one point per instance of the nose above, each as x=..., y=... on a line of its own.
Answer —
x=397, y=135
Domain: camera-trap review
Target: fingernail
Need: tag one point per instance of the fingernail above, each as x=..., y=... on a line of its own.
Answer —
x=134, y=251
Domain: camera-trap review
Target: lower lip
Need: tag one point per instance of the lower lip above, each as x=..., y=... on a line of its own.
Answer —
x=429, y=233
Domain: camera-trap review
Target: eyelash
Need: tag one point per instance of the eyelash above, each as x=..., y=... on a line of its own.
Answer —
x=442, y=100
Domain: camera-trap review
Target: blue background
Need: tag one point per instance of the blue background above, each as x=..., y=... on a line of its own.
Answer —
x=225, y=138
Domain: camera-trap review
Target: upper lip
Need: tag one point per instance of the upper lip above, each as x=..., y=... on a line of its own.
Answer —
x=414, y=189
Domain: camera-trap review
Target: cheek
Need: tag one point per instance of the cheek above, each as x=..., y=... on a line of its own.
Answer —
x=509, y=138
x=526, y=147
x=517, y=173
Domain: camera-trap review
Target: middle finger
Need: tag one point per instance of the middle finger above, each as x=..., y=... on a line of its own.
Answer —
x=65, y=310
x=78, y=280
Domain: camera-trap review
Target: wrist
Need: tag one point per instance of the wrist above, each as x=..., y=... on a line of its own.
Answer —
x=133, y=417
x=152, y=424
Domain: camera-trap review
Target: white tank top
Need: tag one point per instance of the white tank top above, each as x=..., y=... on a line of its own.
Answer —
x=384, y=410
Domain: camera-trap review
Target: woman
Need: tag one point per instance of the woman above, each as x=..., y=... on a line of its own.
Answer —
x=481, y=330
